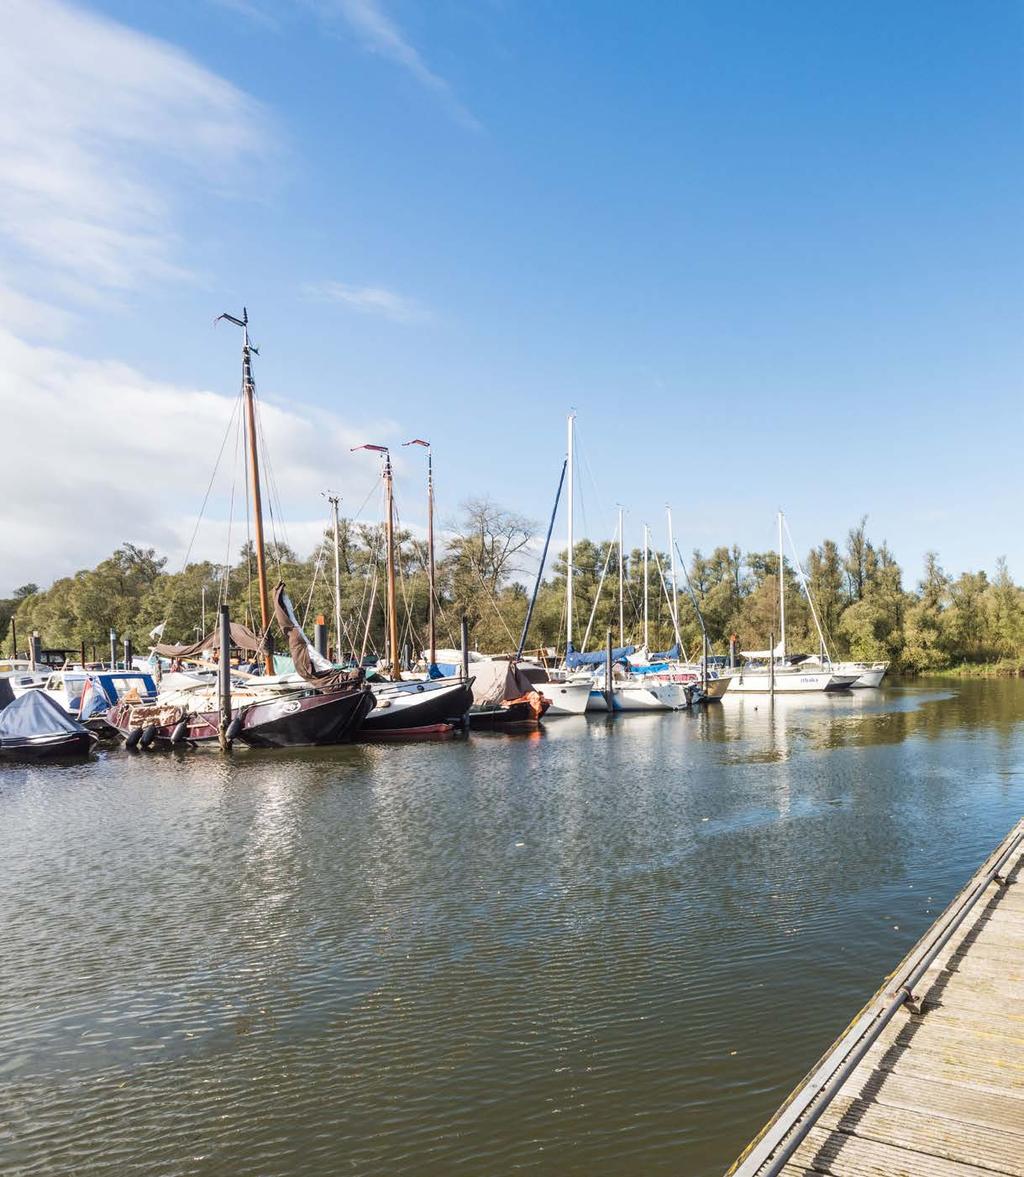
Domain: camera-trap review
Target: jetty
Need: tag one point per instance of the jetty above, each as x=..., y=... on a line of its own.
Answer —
x=928, y=1079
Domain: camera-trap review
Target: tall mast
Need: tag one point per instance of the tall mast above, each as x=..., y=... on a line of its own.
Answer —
x=431, y=623
x=569, y=559
x=646, y=635
x=622, y=572
x=334, y=501
x=782, y=594
x=675, y=589
x=389, y=539
x=249, y=392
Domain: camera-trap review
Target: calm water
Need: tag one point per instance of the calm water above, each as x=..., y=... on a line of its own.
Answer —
x=609, y=949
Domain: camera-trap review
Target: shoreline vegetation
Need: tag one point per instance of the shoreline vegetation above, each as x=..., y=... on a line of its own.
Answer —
x=967, y=625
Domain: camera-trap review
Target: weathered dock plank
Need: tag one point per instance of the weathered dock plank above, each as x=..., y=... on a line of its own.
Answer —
x=928, y=1080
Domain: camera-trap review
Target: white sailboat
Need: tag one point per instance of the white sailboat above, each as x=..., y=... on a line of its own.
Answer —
x=768, y=671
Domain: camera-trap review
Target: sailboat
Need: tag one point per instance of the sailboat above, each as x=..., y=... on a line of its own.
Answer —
x=773, y=671
x=409, y=710
x=312, y=707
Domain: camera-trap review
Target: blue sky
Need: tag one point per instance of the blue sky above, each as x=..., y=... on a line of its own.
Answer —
x=770, y=253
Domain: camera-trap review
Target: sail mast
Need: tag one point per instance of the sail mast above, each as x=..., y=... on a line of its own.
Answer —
x=782, y=594
x=334, y=501
x=622, y=572
x=389, y=539
x=389, y=492
x=249, y=393
x=431, y=622
x=569, y=558
x=646, y=636
x=675, y=589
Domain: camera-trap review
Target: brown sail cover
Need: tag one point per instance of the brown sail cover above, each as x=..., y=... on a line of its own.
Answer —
x=241, y=637
x=298, y=647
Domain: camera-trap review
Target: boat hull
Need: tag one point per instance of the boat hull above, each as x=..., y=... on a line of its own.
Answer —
x=309, y=721
x=520, y=715
x=48, y=747
x=759, y=682
x=628, y=698
x=565, y=698
x=417, y=705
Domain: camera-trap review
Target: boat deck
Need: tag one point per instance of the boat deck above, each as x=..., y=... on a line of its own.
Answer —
x=929, y=1084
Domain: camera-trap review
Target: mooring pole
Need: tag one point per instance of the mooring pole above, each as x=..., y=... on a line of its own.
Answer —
x=113, y=649
x=609, y=694
x=704, y=680
x=14, y=637
x=464, y=636
x=320, y=636
x=771, y=665
x=224, y=676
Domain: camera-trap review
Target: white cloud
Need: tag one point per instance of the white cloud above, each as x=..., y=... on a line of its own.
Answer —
x=370, y=300
x=32, y=317
x=94, y=119
x=95, y=453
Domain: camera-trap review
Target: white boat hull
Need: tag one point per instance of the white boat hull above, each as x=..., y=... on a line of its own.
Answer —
x=759, y=682
x=628, y=698
x=867, y=674
x=566, y=698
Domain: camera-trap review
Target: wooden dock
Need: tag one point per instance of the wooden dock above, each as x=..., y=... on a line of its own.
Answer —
x=928, y=1080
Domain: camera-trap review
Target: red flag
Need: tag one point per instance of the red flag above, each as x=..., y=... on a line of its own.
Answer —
x=380, y=449
x=417, y=441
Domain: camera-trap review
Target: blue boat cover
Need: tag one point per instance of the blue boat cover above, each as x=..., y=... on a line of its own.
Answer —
x=575, y=660
x=35, y=714
x=667, y=656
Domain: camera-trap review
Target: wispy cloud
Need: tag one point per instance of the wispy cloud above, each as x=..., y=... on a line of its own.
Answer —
x=379, y=32
x=370, y=300
x=98, y=125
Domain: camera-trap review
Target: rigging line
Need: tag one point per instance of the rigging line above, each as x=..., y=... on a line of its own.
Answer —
x=239, y=450
x=411, y=633
x=271, y=489
x=597, y=595
x=317, y=566
x=209, y=488
x=664, y=589
x=806, y=587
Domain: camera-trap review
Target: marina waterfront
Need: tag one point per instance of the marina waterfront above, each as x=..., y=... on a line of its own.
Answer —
x=610, y=946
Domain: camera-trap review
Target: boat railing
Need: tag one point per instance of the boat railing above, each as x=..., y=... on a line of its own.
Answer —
x=769, y=1153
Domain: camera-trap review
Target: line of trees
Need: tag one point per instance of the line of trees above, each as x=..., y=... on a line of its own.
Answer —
x=857, y=588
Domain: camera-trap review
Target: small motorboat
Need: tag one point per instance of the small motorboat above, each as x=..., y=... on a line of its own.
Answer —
x=34, y=727
x=401, y=706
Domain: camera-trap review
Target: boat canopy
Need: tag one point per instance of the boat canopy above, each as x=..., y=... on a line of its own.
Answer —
x=575, y=660
x=35, y=714
x=241, y=637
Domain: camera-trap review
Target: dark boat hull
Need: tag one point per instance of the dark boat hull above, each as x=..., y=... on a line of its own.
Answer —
x=48, y=747
x=330, y=717
x=518, y=716
x=309, y=721
x=435, y=705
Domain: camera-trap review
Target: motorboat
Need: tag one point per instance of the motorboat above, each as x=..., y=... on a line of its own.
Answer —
x=410, y=706
x=34, y=727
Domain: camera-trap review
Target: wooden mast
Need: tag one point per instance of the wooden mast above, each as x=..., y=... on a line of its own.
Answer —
x=389, y=491
x=249, y=393
x=431, y=620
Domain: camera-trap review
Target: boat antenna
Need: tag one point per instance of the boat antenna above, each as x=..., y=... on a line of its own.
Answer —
x=249, y=393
